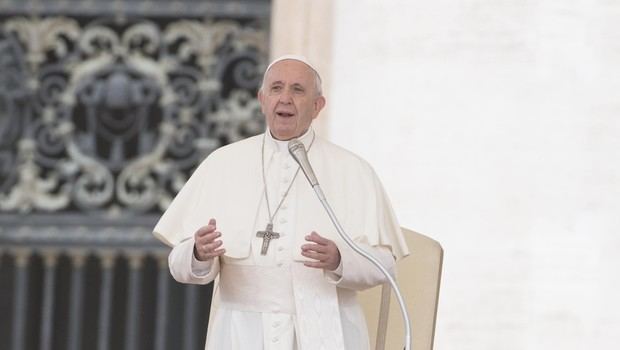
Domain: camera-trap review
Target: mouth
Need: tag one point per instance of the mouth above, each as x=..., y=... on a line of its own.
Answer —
x=283, y=114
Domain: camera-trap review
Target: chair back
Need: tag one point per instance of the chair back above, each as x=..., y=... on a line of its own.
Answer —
x=419, y=278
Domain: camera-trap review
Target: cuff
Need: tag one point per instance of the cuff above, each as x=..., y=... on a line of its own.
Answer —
x=334, y=276
x=201, y=268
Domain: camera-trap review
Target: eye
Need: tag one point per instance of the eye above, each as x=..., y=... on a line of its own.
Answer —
x=276, y=88
x=298, y=89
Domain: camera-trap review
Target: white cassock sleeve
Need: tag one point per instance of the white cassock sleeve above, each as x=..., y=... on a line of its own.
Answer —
x=185, y=270
x=358, y=273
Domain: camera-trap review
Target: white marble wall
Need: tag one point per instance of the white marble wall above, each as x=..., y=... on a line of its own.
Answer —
x=495, y=126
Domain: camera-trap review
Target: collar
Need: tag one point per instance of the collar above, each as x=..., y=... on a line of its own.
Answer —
x=274, y=145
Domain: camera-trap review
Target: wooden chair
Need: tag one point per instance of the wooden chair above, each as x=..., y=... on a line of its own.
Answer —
x=418, y=277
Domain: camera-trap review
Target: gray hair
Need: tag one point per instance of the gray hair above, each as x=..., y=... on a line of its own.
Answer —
x=317, y=80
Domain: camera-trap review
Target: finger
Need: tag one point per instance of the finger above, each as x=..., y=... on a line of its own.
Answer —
x=216, y=253
x=205, y=229
x=316, y=238
x=211, y=255
x=315, y=264
x=315, y=255
x=206, y=248
x=210, y=247
x=210, y=237
x=314, y=247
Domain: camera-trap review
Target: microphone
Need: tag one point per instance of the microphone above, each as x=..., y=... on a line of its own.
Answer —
x=297, y=149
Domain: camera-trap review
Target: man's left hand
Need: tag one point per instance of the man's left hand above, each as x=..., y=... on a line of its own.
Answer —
x=323, y=250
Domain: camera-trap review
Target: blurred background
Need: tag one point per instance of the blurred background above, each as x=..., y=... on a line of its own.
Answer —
x=493, y=125
x=106, y=107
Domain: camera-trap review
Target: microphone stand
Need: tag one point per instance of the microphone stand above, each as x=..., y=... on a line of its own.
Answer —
x=305, y=166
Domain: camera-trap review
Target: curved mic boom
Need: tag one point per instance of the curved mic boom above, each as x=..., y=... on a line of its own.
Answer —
x=298, y=151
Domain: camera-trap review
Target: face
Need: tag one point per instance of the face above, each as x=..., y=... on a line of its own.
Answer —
x=289, y=99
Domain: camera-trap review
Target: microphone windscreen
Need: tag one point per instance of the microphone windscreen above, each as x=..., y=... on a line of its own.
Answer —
x=297, y=149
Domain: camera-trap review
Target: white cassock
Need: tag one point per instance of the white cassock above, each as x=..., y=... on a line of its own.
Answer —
x=273, y=301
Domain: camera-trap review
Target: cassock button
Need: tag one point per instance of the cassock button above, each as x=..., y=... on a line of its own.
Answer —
x=275, y=339
x=280, y=248
x=283, y=207
x=285, y=180
x=282, y=220
x=276, y=324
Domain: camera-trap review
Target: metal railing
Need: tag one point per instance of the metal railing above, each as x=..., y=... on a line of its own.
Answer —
x=78, y=295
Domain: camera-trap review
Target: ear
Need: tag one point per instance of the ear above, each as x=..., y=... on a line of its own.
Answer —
x=319, y=103
x=261, y=100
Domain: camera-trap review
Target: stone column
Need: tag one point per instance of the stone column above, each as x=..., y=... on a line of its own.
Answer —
x=20, y=306
x=163, y=282
x=105, y=299
x=190, y=313
x=50, y=259
x=136, y=261
x=78, y=258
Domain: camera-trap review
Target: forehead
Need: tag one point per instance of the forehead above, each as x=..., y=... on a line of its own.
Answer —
x=291, y=71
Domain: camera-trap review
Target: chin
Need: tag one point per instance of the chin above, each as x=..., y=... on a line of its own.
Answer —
x=284, y=137
x=284, y=134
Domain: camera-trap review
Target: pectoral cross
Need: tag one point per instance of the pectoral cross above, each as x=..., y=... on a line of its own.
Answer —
x=267, y=236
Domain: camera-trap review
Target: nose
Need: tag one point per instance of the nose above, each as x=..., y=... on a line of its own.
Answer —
x=286, y=97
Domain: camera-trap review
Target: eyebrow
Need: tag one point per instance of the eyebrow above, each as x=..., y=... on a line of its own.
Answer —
x=280, y=82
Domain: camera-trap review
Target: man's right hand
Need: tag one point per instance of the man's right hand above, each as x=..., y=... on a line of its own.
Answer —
x=206, y=244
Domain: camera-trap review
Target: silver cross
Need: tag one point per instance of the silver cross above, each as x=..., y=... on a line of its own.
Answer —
x=267, y=236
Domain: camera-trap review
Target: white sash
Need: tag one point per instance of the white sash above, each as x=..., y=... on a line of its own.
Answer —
x=318, y=314
x=304, y=292
x=256, y=288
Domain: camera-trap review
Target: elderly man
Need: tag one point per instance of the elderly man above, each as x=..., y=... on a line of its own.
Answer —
x=286, y=280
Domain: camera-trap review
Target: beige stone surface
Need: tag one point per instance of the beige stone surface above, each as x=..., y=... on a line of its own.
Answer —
x=495, y=126
x=304, y=27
